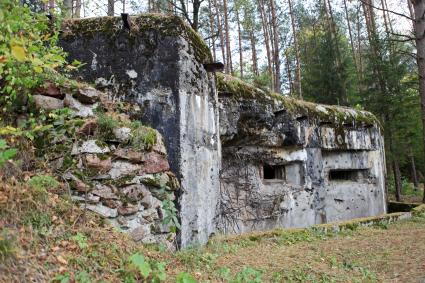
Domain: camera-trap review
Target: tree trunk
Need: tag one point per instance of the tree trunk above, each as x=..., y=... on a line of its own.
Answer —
x=353, y=50
x=276, y=57
x=414, y=174
x=229, y=67
x=397, y=180
x=338, y=61
x=419, y=9
x=77, y=13
x=212, y=29
x=388, y=16
x=220, y=31
x=240, y=43
x=297, y=81
x=375, y=45
x=195, y=20
x=288, y=71
x=412, y=13
x=385, y=17
x=111, y=6
x=266, y=39
x=359, y=45
x=253, y=53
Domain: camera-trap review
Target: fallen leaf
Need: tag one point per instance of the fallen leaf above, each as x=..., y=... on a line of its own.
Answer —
x=3, y=198
x=18, y=52
x=61, y=260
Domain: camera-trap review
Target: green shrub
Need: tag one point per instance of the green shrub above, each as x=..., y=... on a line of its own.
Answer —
x=106, y=125
x=143, y=138
x=248, y=275
x=184, y=277
x=6, y=153
x=29, y=55
x=81, y=240
x=41, y=184
x=37, y=219
x=138, y=267
x=170, y=217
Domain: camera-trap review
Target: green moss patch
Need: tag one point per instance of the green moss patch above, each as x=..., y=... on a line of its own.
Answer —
x=164, y=25
x=240, y=90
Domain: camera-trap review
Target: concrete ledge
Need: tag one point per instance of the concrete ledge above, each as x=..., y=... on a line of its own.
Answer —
x=366, y=221
x=328, y=227
x=396, y=206
x=418, y=210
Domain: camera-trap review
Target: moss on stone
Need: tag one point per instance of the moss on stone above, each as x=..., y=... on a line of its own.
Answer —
x=121, y=181
x=337, y=115
x=143, y=138
x=161, y=24
x=419, y=210
x=348, y=225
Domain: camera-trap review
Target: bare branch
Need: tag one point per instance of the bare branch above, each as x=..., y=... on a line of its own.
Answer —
x=211, y=36
x=407, y=37
x=385, y=10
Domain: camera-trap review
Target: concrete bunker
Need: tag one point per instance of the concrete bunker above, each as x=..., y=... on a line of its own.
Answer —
x=247, y=159
x=290, y=163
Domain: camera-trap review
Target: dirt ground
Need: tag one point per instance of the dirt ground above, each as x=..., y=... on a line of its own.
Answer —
x=386, y=253
x=45, y=238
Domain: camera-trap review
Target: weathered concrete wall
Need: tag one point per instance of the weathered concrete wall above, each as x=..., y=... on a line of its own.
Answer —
x=158, y=65
x=286, y=163
x=327, y=162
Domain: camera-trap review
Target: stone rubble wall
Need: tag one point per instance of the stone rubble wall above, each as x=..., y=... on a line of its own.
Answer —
x=107, y=172
x=158, y=67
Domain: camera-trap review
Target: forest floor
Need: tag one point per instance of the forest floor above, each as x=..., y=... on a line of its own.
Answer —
x=408, y=193
x=45, y=238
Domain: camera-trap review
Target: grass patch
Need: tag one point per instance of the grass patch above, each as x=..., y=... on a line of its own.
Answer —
x=7, y=245
x=106, y=125
x=62, y=242
x=143, y=138
x=41, y=184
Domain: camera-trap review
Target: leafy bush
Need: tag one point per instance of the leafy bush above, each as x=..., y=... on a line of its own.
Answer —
x=170, y=217
x=248, y=274
x=184, y=277
x=81, y=240
x=43, y=182
x=29, y=55
x=6, y=153
x=143, y=138
x=138, y=267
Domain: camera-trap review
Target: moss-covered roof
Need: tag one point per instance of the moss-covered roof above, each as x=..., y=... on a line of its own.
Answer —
x=166, y=25
x=241, y=90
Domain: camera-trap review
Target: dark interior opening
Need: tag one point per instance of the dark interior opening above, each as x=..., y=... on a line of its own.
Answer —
x=347, y=174
x=273, y=172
